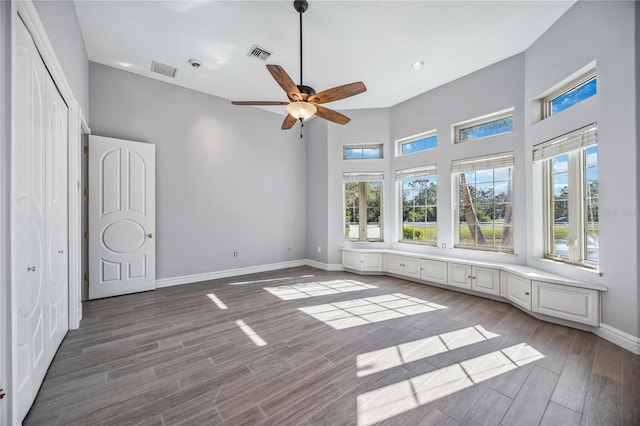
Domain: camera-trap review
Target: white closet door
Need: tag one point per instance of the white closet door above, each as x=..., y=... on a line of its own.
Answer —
x=122, y=217
x=28, y=201
x=39, y=223
x=57, y=220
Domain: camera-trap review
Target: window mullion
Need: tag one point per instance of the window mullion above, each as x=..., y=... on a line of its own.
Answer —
x=575, y=209
x=362, y=223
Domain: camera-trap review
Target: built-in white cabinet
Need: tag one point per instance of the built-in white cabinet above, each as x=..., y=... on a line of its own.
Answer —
x=362, y=262
x=459, y=275
x=571, y=303
x=549, y=294
x=434, y=271
x=519, y=291
x=485, y=280
x=403, y=265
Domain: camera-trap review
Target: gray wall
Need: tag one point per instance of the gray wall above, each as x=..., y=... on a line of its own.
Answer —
x=63, y=29
x=227, y=178
x=603, y=32
x=491, y=89
x=315, y=138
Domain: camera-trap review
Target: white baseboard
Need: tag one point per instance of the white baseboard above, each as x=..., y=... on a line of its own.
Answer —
x=620, y=338
x=188, y=279
x=324, y=266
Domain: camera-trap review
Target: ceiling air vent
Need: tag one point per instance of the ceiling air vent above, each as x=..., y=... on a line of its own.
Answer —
x=259, y=53
x=164, y=69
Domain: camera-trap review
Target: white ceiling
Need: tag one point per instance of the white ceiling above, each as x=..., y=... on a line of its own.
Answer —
x=344, y=41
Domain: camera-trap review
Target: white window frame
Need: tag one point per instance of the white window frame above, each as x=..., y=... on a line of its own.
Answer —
x=362, y=178
x=409, y=139
x=499, y=115
x=430, y=170
x=573, y=85
x=369, y=146
x=574, y=145
x=489, y=162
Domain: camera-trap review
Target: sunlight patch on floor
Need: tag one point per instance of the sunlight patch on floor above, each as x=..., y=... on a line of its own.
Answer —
x=255, y=338
x=217, y=301
x=352, y=313
x=388, y=401
x=395, y=356
x=317, y=288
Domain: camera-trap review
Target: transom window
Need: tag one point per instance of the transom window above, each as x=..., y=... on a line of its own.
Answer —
x=419, y=212
x=421, y=142
x=485, y=202
x=363, y=206
x=570, y=95
x=491, y=125
x=570, y=168
x=360, y=152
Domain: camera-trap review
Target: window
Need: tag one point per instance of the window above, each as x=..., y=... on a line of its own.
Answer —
x=417, y=143
x=570, y=167
x=363, y=206
x=419, y=212
x=492, y=125
x=359, y=152
x=485, y=202
x=569, y=95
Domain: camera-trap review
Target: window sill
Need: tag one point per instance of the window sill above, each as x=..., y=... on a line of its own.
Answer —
x=584, y=268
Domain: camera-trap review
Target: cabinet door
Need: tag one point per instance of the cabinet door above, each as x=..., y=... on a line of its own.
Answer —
x=459, y=275
x=434, y=271
x=486, y=280
x=571, y=303
x=371, y=262
x=351, y=260
x=519, y=291
x=394, y=264
x=411, y=267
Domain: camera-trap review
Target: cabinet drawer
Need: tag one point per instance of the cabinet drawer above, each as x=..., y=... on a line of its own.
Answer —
x=519, y=291
x=486, y=280
x=571, y=303
x=371, y=262
x=434, y=271
x=459, y=275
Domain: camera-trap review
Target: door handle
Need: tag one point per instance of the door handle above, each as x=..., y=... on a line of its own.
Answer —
x=31, y=268
x=150, y=235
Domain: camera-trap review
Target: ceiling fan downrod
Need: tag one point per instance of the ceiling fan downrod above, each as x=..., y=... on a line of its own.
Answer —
x=301, y=6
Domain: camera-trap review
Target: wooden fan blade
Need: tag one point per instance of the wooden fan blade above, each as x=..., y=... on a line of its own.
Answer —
x=259, y=103
x=288, y=122
x=338, y=93
x=331, y=115
x=283, y=79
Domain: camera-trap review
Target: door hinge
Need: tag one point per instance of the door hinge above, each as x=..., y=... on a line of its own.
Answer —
x=86, y=277
x=85, y=149
x=86, y=192
x=86, y=235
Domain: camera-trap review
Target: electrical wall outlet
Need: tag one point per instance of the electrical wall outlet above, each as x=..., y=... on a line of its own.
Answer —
x=319, y=249
x=235, y=254
x=444, y=245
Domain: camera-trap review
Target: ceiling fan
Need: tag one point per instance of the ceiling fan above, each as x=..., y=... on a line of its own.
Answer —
x=304, y=102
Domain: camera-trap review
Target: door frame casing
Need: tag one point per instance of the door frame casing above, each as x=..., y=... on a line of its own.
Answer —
x=25, y=12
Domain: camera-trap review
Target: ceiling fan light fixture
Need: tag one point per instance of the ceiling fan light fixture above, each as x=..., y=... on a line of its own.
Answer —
x=301, y=110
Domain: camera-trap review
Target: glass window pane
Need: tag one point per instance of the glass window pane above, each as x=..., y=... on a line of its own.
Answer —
x=490, y=128
x=587, y=90
x=563, y=102
x=419, y=145
x=371, y=153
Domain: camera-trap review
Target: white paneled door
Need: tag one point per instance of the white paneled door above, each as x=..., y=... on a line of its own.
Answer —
x=39, y=223
x=121, y=217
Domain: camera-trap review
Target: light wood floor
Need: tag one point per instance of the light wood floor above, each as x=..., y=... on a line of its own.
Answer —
x=297, y=355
